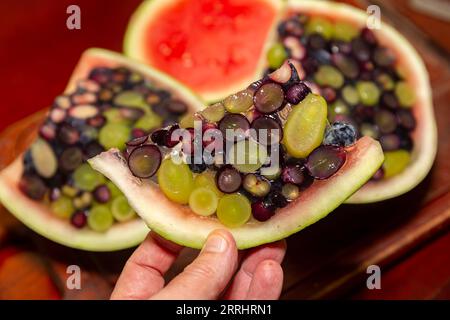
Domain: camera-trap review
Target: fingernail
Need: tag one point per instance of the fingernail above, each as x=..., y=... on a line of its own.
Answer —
x=216, y=244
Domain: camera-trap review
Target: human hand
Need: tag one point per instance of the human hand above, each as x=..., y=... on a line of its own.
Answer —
x=212, y=275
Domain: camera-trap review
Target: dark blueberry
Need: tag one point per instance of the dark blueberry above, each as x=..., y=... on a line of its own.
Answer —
x=360, y=49
x=79, y=219
x=317, y=42
x=102, y=194
x=340, y=134
x=263, y=210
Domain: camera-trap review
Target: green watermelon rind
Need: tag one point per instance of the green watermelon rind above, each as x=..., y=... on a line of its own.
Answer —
x=37, y=215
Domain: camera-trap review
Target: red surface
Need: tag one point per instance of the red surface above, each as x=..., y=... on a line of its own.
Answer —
x=38, y=52
x=217, y=40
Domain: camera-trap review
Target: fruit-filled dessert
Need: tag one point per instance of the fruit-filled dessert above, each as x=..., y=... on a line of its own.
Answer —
x=371, y=78
x=53, y=190
x=264, y=163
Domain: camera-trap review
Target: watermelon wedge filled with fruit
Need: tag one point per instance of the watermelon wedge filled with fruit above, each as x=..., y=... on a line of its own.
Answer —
x=51, y=188
x=263, y=163
x=371, y=78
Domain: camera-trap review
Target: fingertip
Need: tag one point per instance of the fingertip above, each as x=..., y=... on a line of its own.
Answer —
x=267, y=282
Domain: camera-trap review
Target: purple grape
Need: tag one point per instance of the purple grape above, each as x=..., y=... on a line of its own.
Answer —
x=383, y=57
x=269, y=98
x=137, y=141
x=378, y=175
x=159, y=137
x=234, y=121
x=271, y=125
x=360, y=50
x=228, y=179
x=79, y=219
x=293, y=173
x=68, y=134
x=144, y=161
x=346, y=65
x=93, y=149
x=71, y=159
x=317, y=42
x=32, y=186
x=406, y=119
x=325, y=161
x=297, y=92
x=262, y=211
x=368, y=37
x=389, y=99
x=176, y=107
x=102, y=194
x=390, y=142
x=328, y=93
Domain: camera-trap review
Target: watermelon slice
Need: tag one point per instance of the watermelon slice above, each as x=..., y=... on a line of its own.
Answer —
x=37, y=214
x=144, y=44
x=304, y=191
x=211, y=46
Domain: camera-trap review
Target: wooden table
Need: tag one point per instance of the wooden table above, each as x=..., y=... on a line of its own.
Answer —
x=328, y=259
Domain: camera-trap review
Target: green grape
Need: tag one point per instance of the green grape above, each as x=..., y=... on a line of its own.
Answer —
x=321, y=26
x=239, y=102
x=149, y=121
x=86, y=178
x=187, y=121
x=337, y=108
x=276, y=55
x=395, y=162
x=121, y=209
x=207, y=179
x=247, y=156
x=345, y=31
x=131, y=99
x=176, y=181
x=329, y=76
x=114, y=135
x=62, y=207
x=115, y=192
x=100, y=218
x=305, y=126
x=113, y=115
x=214, y=113
x=234, y=210
x=203, y=201
x=385, y=81
x=350, y=95
x=405, y=94
x=369, y=94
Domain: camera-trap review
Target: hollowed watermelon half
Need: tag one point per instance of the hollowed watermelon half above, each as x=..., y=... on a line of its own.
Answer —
x=214, y=47
x=151, y=39
x=283, y=170
x=34, y=184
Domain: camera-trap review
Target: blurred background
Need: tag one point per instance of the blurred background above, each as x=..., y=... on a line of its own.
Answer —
x=407, y=236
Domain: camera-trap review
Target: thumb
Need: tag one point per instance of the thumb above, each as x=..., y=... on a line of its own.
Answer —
x=208, y=275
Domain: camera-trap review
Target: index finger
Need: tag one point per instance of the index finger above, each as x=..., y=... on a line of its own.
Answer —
x=143, y=273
